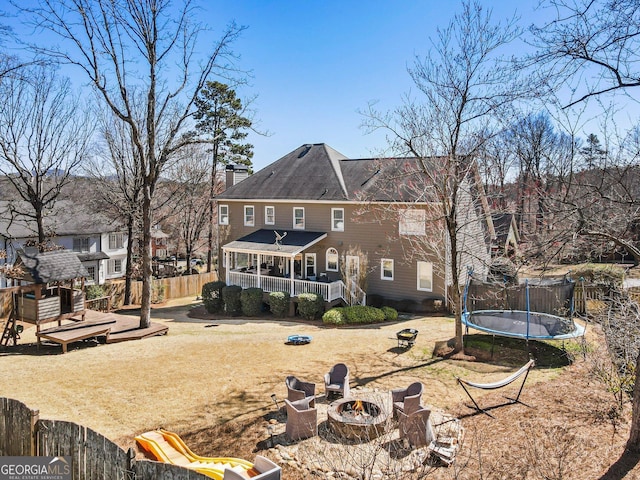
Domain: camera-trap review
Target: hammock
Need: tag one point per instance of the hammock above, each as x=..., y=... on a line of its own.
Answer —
x=502, y=383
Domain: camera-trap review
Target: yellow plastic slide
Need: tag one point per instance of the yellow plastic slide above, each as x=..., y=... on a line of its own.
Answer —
x=169, y=448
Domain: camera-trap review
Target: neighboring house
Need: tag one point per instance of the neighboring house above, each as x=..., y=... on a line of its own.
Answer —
x=507, y=236
x=159, y=243
x=314, y=219
x=99, y=243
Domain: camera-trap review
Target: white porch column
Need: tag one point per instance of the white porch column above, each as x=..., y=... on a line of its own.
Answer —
x=292, y=276
x=258, y=270
x=226, y=255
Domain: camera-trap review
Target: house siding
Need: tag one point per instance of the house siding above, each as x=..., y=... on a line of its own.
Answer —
x=376, y=239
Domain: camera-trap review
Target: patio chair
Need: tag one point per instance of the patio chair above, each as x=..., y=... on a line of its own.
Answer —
x=406, y=400
x=299, y=390
x=337, y=380
x=302, y=419
x=416, y=427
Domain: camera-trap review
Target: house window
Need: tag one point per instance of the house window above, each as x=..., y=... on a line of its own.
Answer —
x=159, y=241
x=116, y=241
x=81, y=245
x=332, y=260
x=92, y=274
x=425, y=276
x=249, y=216
x=114, y=267
x=269, y=215
x=161, y=253
x=386, y=269
x=298, y=218
x=337, y=219
x=223, y=214
x=310, y=265
x=412, y=222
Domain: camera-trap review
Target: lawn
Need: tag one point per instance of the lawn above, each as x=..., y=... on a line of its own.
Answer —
x=211, y=381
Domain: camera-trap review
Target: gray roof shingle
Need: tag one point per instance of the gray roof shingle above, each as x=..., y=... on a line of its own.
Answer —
x=54, y=266
x=318, y=172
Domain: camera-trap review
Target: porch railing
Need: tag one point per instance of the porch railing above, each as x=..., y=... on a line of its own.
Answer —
x=329, y=291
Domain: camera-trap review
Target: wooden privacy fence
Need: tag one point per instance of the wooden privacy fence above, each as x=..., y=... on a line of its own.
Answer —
x=94, y=457
x=173, y=287
x=167, y=288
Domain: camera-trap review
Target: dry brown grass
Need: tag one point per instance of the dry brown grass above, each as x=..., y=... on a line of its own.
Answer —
x=212, y=385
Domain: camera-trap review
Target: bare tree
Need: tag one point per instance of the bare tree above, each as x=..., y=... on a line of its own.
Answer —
x=118, y=182
x=465, y=86
x=599, y=40
x=43, y=139
x=596, y=40
x=138, y=49
x=191, y=205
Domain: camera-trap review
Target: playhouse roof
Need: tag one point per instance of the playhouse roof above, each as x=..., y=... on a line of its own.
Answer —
x=46, y=267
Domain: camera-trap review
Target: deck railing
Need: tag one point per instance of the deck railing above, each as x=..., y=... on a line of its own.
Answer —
x=329, y=291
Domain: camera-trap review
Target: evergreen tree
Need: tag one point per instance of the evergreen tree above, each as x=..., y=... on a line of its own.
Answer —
x=222, y=122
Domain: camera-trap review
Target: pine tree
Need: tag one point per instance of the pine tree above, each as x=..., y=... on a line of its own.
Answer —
x=222, y=122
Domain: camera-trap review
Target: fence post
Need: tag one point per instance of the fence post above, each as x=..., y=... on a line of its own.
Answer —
x=35, y=417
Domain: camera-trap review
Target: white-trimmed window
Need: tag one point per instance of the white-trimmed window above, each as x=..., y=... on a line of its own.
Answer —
x=114, y=267
x=386, y=269
x=269, y=215
x=298, y=218
x=332, y=260
x=337, y=219
x=92, y=273
x=412, y=221
x=249, y=216
x=425, y=276
x=81, y=245
x=223, y=214
x=116, y=241
x=310, y=265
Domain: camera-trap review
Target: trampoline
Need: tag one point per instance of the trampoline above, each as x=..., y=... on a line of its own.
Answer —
x=518, y=320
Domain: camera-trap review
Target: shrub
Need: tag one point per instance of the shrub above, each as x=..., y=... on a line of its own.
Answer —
x=212, y=296
x=363, y=314
x=231, y=297
x=334, y=316
x=94, y=291
x=310, y=305
x=279, y=303
x=251, y=301
x=390, y=314
x=157, y=292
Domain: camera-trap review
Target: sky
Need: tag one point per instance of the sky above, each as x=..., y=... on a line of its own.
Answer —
x=316, y=65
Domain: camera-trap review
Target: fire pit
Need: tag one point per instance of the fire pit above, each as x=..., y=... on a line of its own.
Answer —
x=357, y=419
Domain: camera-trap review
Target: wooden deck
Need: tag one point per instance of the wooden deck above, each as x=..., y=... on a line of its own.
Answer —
x=114, y=327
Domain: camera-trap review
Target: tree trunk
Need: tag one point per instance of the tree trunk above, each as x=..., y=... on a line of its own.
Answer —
x=128, y=274
x=41, y=236
x=147, y=279
x=633, y=444
x=455, y=284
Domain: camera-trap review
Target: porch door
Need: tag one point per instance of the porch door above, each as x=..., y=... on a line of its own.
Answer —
x=352, y=267
x=310, y=265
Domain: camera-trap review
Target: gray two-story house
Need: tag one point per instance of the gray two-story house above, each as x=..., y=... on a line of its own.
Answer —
x=316, y=221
